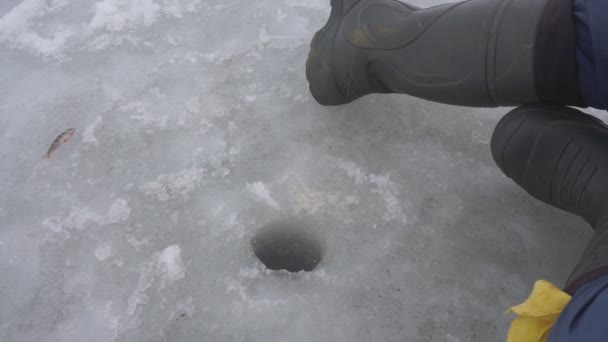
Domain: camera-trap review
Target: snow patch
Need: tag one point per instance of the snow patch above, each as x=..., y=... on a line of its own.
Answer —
x=319, y=5
x=88, y=136
x=119, y=15
x=119, y=211
x=143, y=115
x=176, y=8
x=353, y=172
x=78, y=218
x=305, y=200
x=133, y=241
x=81, y=218
x=139, y=297
x=168, y=186
x=243, y=292
x=111, y=321
x=263, y=36
x=193, y=105
x=260, y=190
x=103, y=251
x=173, y=8
x=389, y=193
x=174, y=216
x=16, y=28
x=170, y=265
x=383, y=186
x=130, y=15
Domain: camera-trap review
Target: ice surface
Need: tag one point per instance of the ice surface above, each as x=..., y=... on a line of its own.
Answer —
x=194, y=129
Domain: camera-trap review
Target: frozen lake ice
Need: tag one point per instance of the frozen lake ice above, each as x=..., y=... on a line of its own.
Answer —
x=195, y=129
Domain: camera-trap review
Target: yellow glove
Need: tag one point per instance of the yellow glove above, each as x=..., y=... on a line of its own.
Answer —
x=538, y=313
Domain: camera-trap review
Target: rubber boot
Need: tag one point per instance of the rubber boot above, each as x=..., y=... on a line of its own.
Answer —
x=482, y=53
x=559, y=155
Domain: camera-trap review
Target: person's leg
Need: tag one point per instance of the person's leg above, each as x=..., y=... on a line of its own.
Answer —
x=558, y=155
x=473, y=53
x=591, y=30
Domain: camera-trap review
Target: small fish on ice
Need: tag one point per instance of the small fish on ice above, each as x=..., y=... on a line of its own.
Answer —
x=61, y=139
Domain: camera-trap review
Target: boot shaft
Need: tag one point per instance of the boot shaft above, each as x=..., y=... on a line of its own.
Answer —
x=483, y=53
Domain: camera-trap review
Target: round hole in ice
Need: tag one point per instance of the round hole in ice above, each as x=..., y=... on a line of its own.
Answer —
x=287, y=246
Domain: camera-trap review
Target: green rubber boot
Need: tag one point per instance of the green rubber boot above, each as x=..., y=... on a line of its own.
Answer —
x=480, y=53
